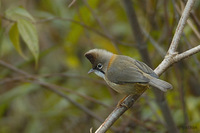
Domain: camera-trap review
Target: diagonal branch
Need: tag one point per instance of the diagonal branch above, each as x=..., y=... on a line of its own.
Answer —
x=119, y=110
x=51, y=88
x=72, y=2
x=180, y=27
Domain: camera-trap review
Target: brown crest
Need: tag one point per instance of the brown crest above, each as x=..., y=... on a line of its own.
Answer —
x=91, y=57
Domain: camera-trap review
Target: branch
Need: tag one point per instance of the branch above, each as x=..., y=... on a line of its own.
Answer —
x=107, y=36
x=24, y=79
x=160, y=50
x=51, y=88
x=174, y=44
x=189, y=22
x=73, y=1
x=180, y=27
x=186, y=54
x=119, y=110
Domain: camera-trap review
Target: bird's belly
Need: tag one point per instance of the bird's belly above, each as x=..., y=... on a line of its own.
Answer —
x=128, y=88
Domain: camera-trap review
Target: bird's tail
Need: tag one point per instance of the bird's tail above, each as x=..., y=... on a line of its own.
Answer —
x=160, y=84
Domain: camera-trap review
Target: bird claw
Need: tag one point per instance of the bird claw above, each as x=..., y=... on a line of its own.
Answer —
x=121, y=103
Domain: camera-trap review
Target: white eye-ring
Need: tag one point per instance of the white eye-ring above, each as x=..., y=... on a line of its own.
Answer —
x=99, y=66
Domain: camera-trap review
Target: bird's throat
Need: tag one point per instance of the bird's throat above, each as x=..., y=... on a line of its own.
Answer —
x=100, y=74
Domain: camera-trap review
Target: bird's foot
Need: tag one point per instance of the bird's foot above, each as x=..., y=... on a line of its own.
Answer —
x=121, y=102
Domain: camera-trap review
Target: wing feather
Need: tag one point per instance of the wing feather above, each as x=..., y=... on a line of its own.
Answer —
x=142, y=66
x=124, y=70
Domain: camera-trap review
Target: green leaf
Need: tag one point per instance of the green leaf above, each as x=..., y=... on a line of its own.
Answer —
x=29, y=34
x=14, y=37
x=17, y=13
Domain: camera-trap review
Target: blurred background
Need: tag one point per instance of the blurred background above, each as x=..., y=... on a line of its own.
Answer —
x=44, y=85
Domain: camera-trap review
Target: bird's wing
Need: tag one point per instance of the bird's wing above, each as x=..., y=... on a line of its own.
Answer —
x=124, y=71
x=142, y=66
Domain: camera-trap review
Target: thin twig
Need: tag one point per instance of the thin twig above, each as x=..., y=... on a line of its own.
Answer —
x=194, y=57
x=76, y=22
x=181, y=88
x=171, y=59
x=186, y=54
x=86, y=27
x=73, y=76
x=51, y=88
x=160, y=50
x=9, y=80
x=196, y=20
x=73, y=1
x=150, y=128
x=147, y=99
x=56, y=91
x=189, y=22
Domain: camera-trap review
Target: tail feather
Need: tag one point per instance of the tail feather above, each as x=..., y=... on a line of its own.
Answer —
x=160, y=84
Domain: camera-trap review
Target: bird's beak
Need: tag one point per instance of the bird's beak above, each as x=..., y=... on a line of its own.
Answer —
x=91, y=70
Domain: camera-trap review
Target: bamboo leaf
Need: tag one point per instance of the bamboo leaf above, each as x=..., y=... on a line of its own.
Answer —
x=29, y=34
x=14, y=37
x=17, y=13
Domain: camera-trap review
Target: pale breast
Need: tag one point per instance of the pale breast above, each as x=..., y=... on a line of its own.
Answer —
x=128, y=88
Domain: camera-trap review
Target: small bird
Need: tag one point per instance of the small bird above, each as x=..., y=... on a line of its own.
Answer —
x=122, y=73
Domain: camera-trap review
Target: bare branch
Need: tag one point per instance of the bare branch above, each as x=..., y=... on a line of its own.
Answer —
x=171, y=59
x=174, y=44
x=186, y=54
x=119, y=110
x=73, y=1
x=189, y=22
x=51, y=88
x=105, y=35
x=160, y=50
x=180, y=27
x=22, y=79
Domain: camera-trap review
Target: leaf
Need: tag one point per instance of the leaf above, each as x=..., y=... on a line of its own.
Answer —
x=14, y=37
x=29, y=34
x=17, y=13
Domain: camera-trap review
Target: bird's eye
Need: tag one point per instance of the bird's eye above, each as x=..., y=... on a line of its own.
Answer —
x=99, y=66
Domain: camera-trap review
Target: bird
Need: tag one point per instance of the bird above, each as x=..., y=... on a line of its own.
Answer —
x=122, y=73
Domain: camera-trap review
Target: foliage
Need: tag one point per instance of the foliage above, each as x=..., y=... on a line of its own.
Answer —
x=54, y=37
